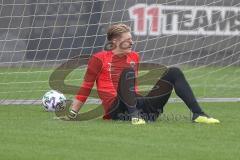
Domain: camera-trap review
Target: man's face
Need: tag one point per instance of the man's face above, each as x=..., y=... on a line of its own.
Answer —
x=124, y=43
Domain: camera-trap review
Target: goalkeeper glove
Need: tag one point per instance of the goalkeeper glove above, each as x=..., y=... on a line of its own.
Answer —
x=72, y=115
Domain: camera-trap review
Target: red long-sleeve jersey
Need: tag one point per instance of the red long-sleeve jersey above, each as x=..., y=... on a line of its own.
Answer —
x=105, y=69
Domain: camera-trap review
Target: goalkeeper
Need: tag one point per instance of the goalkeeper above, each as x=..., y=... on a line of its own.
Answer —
x=115, y=72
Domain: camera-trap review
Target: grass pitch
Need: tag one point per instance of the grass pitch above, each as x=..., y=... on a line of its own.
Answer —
x=32, y=83
x=28, y=132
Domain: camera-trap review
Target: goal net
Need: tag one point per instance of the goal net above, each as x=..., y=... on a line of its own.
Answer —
x=37, y=36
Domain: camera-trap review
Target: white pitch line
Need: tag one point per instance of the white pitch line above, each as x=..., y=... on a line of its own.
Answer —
x=98, y=101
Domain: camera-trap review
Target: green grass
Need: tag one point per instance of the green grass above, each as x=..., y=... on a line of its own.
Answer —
x=27, y=132
x=32, y=83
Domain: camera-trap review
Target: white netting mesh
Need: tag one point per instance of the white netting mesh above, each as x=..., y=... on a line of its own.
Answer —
x=202, y=37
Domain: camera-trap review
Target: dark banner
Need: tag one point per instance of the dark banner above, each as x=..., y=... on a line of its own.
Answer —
x=63, y=30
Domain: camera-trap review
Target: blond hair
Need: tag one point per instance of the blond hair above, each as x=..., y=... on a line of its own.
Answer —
x=116, y=30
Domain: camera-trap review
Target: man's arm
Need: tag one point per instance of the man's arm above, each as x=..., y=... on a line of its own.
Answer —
x=75, y=107
x=93, y=70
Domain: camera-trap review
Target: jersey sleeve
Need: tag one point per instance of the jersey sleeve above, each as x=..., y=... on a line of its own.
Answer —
x=93, y=69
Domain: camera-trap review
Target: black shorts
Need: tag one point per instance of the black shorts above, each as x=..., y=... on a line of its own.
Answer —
x=149, y=106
